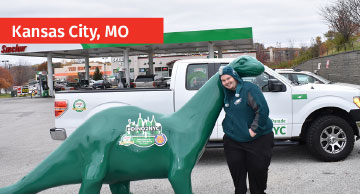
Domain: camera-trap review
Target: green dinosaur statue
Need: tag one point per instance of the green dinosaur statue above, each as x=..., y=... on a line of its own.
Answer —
x=117, y=145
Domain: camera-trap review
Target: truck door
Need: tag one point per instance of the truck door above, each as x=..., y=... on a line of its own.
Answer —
x=280, y=106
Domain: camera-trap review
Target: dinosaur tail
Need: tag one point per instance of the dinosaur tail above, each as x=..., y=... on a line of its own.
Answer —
x=59, y=168
x=9, y=189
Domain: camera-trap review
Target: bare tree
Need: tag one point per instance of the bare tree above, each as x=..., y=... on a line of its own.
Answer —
x=22, y=74
x=291, y=44
x=354, y=6
x=339, y=17
x=260, y=52
x=278, y=44
x=290, y=50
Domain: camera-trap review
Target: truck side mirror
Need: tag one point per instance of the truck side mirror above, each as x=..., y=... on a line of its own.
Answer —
x=275, y=85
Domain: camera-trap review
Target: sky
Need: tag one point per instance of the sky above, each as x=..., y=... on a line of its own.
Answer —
x=274, y=22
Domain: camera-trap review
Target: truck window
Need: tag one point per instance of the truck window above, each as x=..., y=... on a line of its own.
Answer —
x=303, y=79
x=260, y=80
x=286, y=75
x=196, y=76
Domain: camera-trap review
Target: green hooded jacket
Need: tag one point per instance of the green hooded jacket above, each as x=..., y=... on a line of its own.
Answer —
x=245, y=108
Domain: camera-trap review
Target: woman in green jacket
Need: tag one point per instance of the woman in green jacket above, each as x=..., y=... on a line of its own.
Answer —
x=248, y=139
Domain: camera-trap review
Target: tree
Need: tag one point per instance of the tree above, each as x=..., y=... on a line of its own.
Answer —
x=333, y=39
x=340, y=18
x=56, y=65
x=291, y=51
x=315, y=46
x=42, y=66
x=5, y=79
x=97, y=74
x=355, y=10
x=330, y=35
x=260, y=52
x=22, y=74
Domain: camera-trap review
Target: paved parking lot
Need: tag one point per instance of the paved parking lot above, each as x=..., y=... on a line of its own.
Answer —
x=25, y=142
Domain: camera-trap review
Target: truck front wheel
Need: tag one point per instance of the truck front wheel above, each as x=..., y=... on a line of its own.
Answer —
x=330, y=138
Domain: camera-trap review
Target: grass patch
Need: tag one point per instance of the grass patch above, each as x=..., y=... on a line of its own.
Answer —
x=342, y=48
x=5, y=95
x=308, y=55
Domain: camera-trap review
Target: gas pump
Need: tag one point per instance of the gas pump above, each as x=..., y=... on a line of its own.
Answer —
x=41, y=76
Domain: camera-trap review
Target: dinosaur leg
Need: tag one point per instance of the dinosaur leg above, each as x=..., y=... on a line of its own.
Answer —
x=181, y=182
x=94, y=174
x=90, y=187
x=120, y=188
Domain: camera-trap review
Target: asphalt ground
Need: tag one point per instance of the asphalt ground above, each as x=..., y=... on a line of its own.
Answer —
x=25, y=142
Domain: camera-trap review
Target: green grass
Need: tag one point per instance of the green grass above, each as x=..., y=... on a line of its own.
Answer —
x=308, y=56
x=341, y=49
x=5, y=95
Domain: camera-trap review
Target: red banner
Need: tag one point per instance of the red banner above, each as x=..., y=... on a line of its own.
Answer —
x=82, y=30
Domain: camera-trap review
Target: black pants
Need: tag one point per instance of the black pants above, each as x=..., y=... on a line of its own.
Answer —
x=249, y=158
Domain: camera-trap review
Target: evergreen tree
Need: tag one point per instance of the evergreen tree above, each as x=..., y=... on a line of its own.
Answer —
x=97, y=74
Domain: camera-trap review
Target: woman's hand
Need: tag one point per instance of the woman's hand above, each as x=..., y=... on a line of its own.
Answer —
x=252, y=133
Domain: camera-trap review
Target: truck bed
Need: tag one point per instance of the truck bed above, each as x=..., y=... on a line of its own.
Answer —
x=156, y=100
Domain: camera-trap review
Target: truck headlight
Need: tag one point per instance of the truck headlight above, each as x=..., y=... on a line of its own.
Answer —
x=357, y=101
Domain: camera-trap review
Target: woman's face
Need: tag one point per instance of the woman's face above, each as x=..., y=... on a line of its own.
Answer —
x=228, y=82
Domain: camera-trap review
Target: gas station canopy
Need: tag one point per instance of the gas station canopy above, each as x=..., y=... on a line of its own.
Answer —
x=174, y=42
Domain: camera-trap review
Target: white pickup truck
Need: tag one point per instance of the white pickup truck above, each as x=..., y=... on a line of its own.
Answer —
x=325, y=117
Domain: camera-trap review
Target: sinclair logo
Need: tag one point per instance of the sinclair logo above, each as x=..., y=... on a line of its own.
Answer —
x=14, y=49
x=144, y=133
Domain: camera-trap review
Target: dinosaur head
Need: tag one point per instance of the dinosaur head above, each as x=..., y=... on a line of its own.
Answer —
x=243, y=66
x=247, y=66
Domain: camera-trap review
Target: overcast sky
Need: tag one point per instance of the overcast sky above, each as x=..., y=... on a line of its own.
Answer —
x=287, y=22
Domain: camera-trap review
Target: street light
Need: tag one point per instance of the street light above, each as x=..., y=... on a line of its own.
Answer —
x=5, y=61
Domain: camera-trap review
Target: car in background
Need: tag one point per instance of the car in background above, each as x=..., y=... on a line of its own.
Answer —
x=163, y=82
x=304, y=77
x=102, y=84
x=91, y=83
x=58, y=85
x=84, y=83
x=71, y=86
x=34, y=86
x=144, y=81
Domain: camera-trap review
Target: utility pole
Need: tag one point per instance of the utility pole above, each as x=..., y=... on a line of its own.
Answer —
x=104, y=67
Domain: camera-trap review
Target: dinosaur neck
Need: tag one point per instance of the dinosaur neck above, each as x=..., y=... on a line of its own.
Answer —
x=203, y=108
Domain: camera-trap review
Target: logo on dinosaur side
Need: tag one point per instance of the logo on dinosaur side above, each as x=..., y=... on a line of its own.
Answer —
x=144, y=133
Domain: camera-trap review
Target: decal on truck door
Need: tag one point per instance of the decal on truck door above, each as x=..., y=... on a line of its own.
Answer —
x=280, y=126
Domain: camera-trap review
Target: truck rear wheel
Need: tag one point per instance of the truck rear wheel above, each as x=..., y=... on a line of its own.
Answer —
x=330, y=138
